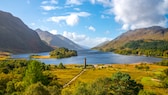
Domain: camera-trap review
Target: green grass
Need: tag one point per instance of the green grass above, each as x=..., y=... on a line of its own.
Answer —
x=65, y=75
x=148, y=81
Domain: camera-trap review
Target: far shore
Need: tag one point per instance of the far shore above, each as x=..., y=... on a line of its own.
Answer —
x=4, y=55
x=41, y=57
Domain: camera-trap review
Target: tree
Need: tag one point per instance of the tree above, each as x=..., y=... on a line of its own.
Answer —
x=123, y=85
x=165, y=78
x=62, y=53
x=36, y=89
x=54, y=90
x=61, y=66
x=147, y=68
x=81, y=89
x=33, y=73
x=10, y=87
x=146, y=92
x=100, y=87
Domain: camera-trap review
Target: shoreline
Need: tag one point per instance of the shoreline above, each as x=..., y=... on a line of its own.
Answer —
x=40, y=56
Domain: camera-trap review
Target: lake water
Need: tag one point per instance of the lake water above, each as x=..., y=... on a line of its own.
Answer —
x=93, y=57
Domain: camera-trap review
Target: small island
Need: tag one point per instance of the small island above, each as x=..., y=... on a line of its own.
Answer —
x=62, y=53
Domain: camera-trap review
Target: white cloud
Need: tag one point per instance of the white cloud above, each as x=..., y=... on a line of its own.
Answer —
x=93, y=1
x=49, y=2
x=71, y=19
x=91, y=28
x=73, y=2
x=49, y=8
x=84, y=40
x=54, y=32
x=57, y=19
x=125, y=27
x=73, y=36
x=140, y=13
x=92, y=42
x=164, y=7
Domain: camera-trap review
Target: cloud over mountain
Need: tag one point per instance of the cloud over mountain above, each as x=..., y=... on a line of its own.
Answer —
x=85, y=40
x=142, y=13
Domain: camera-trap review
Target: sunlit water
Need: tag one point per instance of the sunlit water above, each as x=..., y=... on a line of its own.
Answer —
x=93, y=57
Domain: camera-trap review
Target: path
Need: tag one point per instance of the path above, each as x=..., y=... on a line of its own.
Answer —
x=65, y=85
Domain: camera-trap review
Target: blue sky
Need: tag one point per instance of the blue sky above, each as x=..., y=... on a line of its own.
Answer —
x=88, y=22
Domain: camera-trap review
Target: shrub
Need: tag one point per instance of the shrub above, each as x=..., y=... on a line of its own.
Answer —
x=36, y=89
x=61, y=66
x=123, y=85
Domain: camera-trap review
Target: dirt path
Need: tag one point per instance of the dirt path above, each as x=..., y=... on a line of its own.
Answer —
x=65, y=85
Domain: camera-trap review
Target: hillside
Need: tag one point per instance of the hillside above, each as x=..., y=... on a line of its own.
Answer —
x=151, y=33
x=16, y=37
x=57, y=40
x=103, y=43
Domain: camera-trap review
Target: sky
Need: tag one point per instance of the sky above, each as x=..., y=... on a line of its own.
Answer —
x=89, y=22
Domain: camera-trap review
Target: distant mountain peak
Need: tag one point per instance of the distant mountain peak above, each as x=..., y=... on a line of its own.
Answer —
x=39, y=30
x=57, y=40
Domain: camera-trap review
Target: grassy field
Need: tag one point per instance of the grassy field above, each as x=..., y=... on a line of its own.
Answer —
x=147, y=77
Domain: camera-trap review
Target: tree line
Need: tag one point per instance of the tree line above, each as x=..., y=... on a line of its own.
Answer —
x=22, y=77
x=158, y=48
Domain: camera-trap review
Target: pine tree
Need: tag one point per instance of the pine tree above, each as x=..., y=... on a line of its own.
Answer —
x=33, y=73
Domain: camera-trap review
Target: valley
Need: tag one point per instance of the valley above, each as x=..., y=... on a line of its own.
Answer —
x=37, y=62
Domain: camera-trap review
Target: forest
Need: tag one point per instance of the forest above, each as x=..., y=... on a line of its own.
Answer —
x=157, y=48
x=23, y=77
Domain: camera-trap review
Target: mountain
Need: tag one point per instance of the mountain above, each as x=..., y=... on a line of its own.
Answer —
x=57, y=40
x=16, y=37
x=103, y=43
x=151, y=33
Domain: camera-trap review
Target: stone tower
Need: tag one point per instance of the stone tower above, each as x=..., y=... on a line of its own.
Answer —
x=84, y=63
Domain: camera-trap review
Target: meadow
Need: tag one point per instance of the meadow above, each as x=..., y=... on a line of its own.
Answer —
x=148, y=77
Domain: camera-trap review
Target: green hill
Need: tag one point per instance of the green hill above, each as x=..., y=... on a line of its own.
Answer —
x=151, y=33
x=152, y=41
